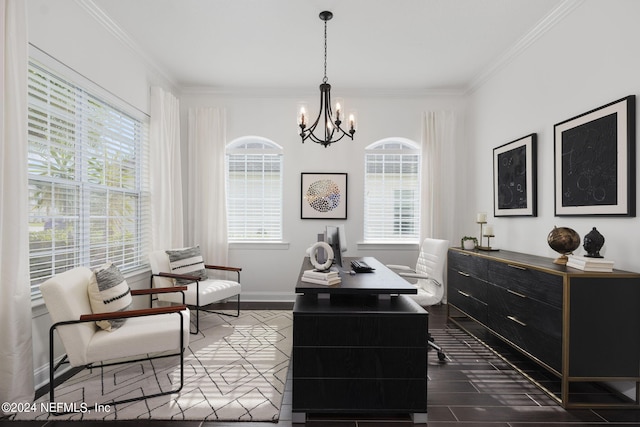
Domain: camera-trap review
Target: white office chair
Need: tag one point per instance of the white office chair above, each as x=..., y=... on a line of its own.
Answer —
x=429, y=276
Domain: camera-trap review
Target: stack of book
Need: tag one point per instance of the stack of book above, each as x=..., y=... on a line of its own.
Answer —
x=321, y=277
x=590, y=264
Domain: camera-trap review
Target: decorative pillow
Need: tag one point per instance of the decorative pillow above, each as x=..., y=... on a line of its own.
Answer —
x=109, y=291
x=187, y=261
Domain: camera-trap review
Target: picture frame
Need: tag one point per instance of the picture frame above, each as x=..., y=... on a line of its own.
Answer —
x=515, y=178
x=323, y=195
x=594, y=162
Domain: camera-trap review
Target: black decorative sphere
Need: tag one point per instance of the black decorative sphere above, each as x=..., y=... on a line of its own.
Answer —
x=593, y=242
x=563, y=240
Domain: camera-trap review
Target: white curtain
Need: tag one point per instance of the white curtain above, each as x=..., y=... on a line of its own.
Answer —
x=437, y=193
x=16, y=353
x=165, y=171
x=207, y=207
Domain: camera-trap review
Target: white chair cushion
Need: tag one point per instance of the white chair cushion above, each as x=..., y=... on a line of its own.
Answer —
x=211, y=290
x=139, y=336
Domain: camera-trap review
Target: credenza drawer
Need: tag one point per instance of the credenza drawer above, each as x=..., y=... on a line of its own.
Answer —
x=472, y=265
x=533, y=283
x=468, y=304
x=510, y=304
x=468, y=284
x=540, y=345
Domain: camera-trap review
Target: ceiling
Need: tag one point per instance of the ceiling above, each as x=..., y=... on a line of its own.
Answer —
x=387, y=45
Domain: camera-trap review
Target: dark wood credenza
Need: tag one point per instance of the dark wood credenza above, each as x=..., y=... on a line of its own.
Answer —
x=580, y=326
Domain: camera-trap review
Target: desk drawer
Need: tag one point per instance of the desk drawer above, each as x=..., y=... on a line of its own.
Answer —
x=359, y=331
x=360, y=362
x=369, y=395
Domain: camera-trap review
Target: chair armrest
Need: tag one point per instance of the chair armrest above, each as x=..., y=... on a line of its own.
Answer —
x=420, y=276
x=177, y=276
x=400, y=267
x=222, y=267
x=131, y=313
x=158, y=290
x=414, y=275
x=225, y=268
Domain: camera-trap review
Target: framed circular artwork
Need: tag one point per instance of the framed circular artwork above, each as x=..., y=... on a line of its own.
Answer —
x=323, y=196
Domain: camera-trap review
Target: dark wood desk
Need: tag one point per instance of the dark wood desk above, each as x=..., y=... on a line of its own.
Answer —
x=360, y=349
x=382, y=281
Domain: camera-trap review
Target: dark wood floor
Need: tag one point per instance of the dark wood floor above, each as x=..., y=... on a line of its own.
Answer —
x=472, y=388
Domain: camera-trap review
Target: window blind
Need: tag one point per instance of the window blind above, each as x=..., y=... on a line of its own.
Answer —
x=392, y=192
x=88, y=180
x=254, y=190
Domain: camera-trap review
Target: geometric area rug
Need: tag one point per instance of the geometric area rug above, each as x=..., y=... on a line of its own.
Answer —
x=235, y=370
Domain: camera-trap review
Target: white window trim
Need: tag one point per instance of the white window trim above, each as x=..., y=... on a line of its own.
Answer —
x=375, y=148
x=274, y=149
x=93, y=90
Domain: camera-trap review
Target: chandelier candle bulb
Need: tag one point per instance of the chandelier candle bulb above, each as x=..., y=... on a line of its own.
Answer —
x=352, y=122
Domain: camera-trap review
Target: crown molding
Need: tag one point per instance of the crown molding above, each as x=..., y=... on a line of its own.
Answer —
x=288, y=92
x=115, y=30
x=541, y=28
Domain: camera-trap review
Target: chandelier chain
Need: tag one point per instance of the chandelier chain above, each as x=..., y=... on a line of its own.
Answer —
x=325, y=79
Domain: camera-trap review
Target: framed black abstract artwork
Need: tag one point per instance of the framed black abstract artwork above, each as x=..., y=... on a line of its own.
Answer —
x=594, y=159
x=514, y=178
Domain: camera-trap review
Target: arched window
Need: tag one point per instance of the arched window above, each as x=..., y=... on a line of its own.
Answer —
x=254, y=190
x=392, y=191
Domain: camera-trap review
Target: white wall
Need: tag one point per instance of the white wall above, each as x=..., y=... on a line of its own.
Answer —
x=587, y=60
x=271, y=274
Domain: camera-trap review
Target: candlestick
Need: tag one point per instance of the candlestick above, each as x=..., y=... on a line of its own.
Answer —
x=481, y=217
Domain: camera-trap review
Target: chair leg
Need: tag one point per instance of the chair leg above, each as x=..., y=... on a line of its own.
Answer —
x=441, y=355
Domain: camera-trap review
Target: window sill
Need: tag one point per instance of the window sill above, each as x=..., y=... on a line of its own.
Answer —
x=257, y=245
x=388, y=246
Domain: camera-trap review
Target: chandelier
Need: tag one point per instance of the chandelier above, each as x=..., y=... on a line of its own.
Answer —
x=331, y=124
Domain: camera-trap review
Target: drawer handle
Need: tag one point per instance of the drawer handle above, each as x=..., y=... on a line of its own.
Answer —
x=517, y=266
x=464, y=294
x=519, y=322
x=518, y=294
x=462, y=273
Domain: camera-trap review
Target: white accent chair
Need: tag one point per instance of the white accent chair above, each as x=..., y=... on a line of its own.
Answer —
x=146, y=334
x=429, y=277
x=200, y=293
